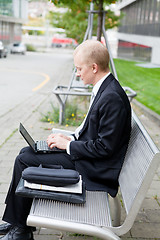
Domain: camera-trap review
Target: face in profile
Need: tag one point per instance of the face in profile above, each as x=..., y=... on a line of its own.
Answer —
x=84, y=70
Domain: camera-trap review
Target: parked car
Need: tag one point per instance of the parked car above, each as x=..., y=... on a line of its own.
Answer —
x=3, y=50
x=18, y=47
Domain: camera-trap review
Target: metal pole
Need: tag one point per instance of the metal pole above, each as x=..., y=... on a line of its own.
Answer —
x=108, y=47
x=91, y=20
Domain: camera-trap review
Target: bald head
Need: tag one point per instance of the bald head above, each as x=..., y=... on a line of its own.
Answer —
x=92, y=51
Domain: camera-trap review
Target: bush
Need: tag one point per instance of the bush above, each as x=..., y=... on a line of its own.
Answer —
x=30, y=48
x=73, y=115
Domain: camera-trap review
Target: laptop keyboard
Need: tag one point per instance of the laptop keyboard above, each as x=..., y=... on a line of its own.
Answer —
x=43, y=145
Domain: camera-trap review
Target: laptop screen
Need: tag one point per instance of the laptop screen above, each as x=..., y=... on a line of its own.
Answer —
x=26, y=136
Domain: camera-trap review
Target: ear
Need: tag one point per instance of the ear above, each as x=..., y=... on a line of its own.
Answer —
x=95, y=67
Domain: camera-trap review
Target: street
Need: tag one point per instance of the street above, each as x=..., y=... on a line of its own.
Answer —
x=25, y=81
x=21, y=76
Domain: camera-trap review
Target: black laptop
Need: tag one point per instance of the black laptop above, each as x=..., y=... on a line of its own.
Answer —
x=38, y=146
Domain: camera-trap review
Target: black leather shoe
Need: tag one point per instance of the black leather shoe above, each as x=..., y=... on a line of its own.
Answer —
x=4, y=228
x=17, y=233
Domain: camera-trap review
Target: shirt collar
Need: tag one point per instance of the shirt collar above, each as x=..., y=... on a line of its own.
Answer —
x=98, y=84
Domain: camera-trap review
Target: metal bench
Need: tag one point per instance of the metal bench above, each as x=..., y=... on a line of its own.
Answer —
x=94, y=217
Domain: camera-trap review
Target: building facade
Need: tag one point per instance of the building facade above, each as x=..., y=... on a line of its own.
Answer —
x=139, y=33
x=13, y=13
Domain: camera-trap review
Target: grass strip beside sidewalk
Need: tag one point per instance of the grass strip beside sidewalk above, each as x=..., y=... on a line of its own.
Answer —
x=145, y=81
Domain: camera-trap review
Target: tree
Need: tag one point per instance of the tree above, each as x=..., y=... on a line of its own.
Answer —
x=74, y=21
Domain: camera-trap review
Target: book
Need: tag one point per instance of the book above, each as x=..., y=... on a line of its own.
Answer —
x=73, y=188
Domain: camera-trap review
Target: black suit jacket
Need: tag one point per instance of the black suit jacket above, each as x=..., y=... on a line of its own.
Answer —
x=100, y=149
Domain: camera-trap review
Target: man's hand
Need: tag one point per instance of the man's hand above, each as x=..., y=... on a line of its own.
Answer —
x=58, y=140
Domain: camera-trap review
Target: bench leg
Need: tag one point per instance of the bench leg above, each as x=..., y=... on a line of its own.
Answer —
x=61, y=113
x=102, y=233
x=61, y=109
x=115, y=211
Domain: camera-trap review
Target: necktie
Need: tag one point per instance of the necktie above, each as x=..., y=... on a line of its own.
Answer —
x=77, y=131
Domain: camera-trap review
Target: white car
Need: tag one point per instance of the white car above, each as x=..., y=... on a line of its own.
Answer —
x=3, y=50
x=18, y=47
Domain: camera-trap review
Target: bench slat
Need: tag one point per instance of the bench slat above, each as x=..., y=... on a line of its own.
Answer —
x=95, y=211
x=139, y=156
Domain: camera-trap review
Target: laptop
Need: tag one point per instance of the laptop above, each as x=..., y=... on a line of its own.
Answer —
x=38, y=146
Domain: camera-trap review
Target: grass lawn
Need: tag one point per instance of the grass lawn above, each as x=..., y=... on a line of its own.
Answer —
x=145, y=81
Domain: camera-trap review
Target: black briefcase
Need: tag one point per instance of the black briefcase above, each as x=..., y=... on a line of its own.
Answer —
x=58, y=196
x=56, y=176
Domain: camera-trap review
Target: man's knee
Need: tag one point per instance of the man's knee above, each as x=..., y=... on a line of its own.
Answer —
x=25, y=149
x=25, y=157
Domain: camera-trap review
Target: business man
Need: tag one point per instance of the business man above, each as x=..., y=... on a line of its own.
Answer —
x=97, y=148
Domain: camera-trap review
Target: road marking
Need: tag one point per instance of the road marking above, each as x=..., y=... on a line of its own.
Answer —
x=47, y=78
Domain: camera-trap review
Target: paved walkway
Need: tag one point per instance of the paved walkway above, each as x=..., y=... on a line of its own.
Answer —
x=147, y=224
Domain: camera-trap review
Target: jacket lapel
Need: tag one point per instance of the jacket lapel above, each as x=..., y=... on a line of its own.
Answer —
x=104, y=85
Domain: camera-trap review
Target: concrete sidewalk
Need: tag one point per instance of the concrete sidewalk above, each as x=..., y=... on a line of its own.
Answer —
x=147, y=224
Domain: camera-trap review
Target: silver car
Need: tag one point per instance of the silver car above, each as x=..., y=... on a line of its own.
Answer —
x=18, y=47
x=3, y=50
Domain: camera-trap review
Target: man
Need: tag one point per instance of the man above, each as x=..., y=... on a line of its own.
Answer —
x=97, y=148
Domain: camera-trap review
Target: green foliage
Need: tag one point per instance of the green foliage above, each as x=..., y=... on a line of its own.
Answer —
x=112, y=20
x=74, y=24
x=51, y=116
x=145, y=81
x=30, y=48
x=74, y=20
x=76, y=3
x=73, y=115
x=33, y=32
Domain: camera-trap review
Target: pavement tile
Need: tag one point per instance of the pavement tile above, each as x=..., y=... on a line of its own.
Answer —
x=150, y=203
x=146, y=230
x=133, y=238
x=153, y=193
x=2, y=198
x=153, y=215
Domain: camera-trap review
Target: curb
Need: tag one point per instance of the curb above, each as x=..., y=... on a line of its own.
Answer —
x=148, y=112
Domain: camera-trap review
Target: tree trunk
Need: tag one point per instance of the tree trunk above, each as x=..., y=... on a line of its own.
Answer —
x=100, y=20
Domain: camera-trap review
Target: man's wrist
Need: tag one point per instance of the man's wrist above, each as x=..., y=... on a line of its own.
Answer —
x=72, y=138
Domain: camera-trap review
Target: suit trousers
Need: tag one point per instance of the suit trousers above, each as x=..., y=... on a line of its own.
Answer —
x=17, y=208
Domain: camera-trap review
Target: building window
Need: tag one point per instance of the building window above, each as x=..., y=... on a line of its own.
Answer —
x=4, y=32
x=134, y=51
x=6, y=7
x=17, y=33
x=141, y=17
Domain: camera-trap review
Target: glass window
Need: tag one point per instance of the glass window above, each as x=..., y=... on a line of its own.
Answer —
x=134, y=51
x=0, y=30
x=6, y=7
x=17, y=32
x=158, y=11
x=154, y=10
x=142, y=17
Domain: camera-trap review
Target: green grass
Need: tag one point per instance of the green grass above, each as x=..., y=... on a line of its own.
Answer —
x=145, y=81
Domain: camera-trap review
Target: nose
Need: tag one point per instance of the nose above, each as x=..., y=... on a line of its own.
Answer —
x=77, y=73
